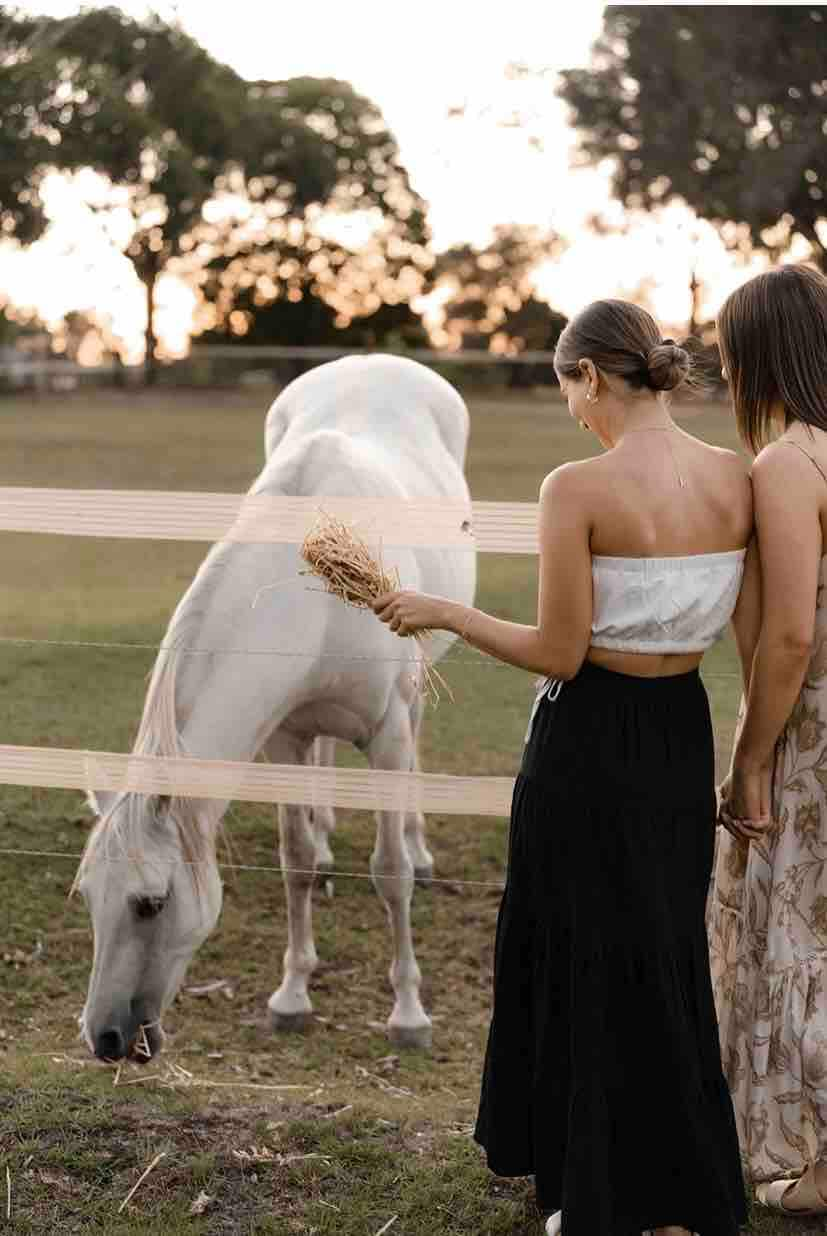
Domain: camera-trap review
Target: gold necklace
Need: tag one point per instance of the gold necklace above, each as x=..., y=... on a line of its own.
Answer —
x=663, y=429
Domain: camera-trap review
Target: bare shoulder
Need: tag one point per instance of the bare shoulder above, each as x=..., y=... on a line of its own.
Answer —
x=566, y=481
x=734, y=466
x=732, y=462
x=783, y=462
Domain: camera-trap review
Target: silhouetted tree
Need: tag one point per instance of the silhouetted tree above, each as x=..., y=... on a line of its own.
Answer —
x=209, y=168
x=722, y=105
x=362, y=251
x=493, y=303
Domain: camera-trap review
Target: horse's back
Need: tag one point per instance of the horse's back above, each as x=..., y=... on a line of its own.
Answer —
x=333, y=463
x=388, y=398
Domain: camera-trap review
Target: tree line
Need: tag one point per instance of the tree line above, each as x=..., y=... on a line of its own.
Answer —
x=245, y=189
x=287, y=204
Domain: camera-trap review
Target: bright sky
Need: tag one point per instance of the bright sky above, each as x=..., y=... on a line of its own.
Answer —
x=475, y=170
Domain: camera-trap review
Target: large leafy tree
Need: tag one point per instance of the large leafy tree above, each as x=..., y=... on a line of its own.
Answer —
x=205, y=165
x=722, y=105
x=356, y=256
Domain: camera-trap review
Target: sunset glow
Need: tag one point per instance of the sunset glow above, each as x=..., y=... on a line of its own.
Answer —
x=447, y=91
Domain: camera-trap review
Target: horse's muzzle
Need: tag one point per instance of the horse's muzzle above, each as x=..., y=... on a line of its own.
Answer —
x=139, y=1044
x=110, y=1044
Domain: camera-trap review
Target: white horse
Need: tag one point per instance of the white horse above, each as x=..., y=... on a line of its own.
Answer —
x=376, y=426
x=322, y=752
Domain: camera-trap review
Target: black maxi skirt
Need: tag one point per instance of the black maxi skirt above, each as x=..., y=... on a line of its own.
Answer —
x=603, y=1074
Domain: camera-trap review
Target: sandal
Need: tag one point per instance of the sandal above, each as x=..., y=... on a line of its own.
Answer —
x=772, y=1196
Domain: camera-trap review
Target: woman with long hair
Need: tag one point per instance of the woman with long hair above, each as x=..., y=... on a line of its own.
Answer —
x=768, y=912
x=603, y=1075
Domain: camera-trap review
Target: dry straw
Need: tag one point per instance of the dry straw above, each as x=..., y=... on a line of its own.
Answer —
x=348, y=569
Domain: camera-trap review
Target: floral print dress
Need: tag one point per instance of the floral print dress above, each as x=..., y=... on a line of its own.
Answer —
x=767, y=921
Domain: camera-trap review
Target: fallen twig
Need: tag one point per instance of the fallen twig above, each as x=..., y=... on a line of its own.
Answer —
x=389, y=1224
x=398, y=1092
x=141, y=1179
x=285, y=1159
x=8, y=1194
x=198, y=1081
x=206, y=989
x=142, y=1044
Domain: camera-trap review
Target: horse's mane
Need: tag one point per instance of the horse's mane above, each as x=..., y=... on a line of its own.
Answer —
x=120, y=832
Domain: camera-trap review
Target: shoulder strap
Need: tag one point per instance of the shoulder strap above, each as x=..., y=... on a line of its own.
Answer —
x=817, y=466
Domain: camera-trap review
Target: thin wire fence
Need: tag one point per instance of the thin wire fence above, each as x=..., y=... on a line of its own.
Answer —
x=351, y=875
x=479, y=659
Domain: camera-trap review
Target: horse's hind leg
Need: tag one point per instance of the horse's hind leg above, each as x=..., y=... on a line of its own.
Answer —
x=393, y=878
x=420, y=855
x=322, y=754
x=290, y=1007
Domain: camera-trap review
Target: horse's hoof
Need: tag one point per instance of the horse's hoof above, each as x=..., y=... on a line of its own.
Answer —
x=424, y=875
x=289, y=1022
x=411, y=1036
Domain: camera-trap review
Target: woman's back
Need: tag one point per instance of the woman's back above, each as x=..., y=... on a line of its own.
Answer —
x=602, y=975
x=662, y=494
x=641, y=509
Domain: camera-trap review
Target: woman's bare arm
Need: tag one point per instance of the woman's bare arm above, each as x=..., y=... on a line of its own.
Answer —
x=788, y=495
x=557, y=645
x=746, y=620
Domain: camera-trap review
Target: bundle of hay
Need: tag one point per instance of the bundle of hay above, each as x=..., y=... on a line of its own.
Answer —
x=344, y=563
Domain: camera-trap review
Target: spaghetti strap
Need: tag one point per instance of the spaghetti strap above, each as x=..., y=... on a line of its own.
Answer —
x=806, y=455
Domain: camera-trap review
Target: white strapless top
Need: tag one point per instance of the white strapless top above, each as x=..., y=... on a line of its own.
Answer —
x=664, y=604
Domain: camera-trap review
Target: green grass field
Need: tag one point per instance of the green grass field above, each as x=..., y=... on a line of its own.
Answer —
x=368, y=1134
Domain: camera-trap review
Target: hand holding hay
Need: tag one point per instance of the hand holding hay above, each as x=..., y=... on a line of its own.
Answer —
x=346, y=566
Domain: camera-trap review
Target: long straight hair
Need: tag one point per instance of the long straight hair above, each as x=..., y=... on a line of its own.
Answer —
x=772, y=333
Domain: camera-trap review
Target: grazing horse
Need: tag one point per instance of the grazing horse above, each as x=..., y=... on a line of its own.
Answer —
x=322, y=753
x=373, y=427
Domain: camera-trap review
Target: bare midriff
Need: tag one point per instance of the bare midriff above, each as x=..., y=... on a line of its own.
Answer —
x=645, y=664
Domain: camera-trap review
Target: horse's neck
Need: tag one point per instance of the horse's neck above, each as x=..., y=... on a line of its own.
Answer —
x=218, y=691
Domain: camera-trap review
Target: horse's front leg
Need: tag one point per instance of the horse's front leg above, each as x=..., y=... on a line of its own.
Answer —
x=289, y=1006
x=393, y=878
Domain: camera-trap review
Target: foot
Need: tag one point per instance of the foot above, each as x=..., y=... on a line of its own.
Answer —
x=805, y=1196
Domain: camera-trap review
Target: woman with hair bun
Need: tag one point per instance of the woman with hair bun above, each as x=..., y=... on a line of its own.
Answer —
x=603, y=1075
x=768, y=912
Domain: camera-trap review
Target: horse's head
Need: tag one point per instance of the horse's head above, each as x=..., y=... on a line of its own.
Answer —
x=150, y=881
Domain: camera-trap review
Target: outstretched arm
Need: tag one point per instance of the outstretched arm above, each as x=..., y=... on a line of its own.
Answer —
x=557, y=645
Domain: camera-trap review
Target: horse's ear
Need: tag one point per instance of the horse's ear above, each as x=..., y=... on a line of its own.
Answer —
x=101, y=801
